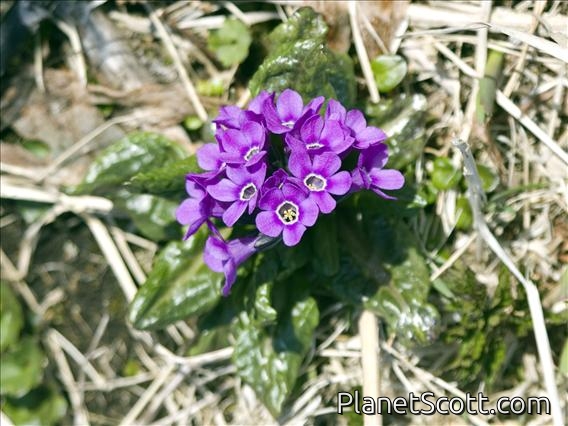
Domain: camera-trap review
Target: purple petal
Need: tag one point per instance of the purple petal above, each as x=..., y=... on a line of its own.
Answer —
x=355, y=120
x=335, y=111
x=294, y=193
x=339, y=184
x=374, y=157
x=360, y=180
x=387, y=179
x=299, y=164
x=294, y=143
x=326, y=164
x=257, y=104
x=208, y=157
x=289, y=106
x=325, y=202
x=233, y=213
x=189, y=211
x=271, y=199
x=230, y=272
x=308, y=212
x=224, y=191
x=335, y=138
x=215, y=254
x=232, y=140
x=382, y=194
x=311, y=130
x=255, y=134
x=314, y=105
x=273, y=121
x=275, y=181
x=269, y=224
x=293, y=234
x=369, y=136
x=230, y=116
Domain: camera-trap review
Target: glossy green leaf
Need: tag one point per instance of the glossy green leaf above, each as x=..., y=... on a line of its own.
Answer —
x=39, y=407
x=231, y=42
x=165, y=180
x=386, y=254
x=11, y=317
x=444, y=174
x=300, y=60
x=179, y=285
x=262, y=303
x=137, y=152
x=22, y=368
x=270, y=362
x=403, y=118
x=153, y=216
x=389, y=71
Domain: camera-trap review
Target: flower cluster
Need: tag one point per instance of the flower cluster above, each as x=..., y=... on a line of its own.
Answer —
x=278, y=165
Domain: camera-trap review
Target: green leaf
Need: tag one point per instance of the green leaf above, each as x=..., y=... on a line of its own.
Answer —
x=403, y=118
x=463, y=213
x=325, y=260
x=211, y=87
x=444, y=174
x=41, y=407
x=39, y=148
x=563, y=364
x=270, y=362
x=262, y=303
x=180, y=285
x=124, y=159
x=231, y=42
x=11, y=317
x=389, y=71
x=488, y=85
x=154, y=216
x=489, y=179
x=166, y=180
x=300, y=60
x=386, y=253
x=22, y=368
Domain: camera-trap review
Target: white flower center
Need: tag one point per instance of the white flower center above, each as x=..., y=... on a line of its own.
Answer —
x=314, y=145
x=315, y=182
x=251, y=152
x=248, y=192
x=288, y=124
x=288, y=213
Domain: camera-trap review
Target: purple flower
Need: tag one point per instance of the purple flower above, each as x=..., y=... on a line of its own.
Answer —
x=317, y=136
x=196, y=209
x=226, y=257
x=354, y=120
x=256, y=105
x=369, y=173
x=241, y=189
x=233, y=117
x=287, y=211
x=278, y=178
x=289, y=110
x=320, y=177
x=244, y=146
x=209, y=157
